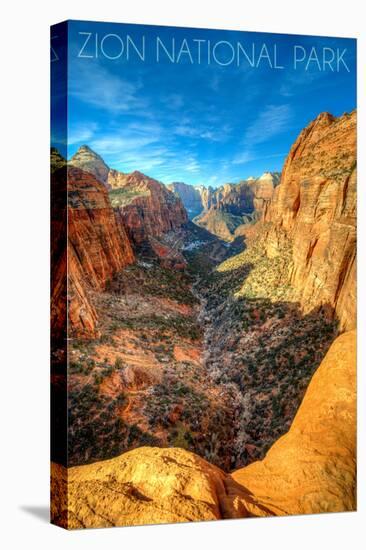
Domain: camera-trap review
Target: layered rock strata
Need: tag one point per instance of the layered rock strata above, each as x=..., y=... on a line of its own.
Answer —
x=147, y=207
x=98, y=246
x=314, y=208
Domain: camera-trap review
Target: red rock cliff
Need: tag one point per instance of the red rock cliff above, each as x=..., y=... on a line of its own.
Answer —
x=98, y=246
x=146, y=206
x=58, y=246
x=315, y=208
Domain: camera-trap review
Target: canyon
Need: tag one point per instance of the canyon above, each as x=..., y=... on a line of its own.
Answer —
x=223, y=211
x=211, y=356
x=309, y=470
x=108, y=213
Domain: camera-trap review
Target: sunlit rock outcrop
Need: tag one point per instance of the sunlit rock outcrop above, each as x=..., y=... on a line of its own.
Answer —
x=314, y=208
x=309, y=470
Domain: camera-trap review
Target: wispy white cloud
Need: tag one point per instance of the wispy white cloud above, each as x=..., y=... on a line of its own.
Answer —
x=189, y=128
x=125, y=138
x=139, y=137
x=243, y=158
x=248, y=156
x=173, y=101
x=192, y=165
x=99, y=88
x=212, y=181
x=81, y=133
x=293, y=83
x=273, y=120
x=151, y=159
x=112, y=144
x=214, y=83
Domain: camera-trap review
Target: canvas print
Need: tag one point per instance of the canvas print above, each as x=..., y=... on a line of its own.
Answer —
x=203, y=277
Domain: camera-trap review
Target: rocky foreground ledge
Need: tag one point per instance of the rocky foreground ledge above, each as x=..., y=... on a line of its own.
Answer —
x=311, y=469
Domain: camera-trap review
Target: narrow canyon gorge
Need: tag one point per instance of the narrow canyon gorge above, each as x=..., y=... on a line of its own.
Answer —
x=210, y=365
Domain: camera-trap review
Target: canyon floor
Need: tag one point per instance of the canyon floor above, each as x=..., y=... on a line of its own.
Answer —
x=214, y=359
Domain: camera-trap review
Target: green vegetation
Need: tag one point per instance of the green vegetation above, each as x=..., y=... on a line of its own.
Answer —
x=180, y=325
x=255, y=275
x=154, y=280
x=260, y=352
x=96, y=430
x=274, y=348
x=191, y=419
x=123, y=196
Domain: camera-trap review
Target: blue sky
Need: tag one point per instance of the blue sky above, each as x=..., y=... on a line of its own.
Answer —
x=199, y=123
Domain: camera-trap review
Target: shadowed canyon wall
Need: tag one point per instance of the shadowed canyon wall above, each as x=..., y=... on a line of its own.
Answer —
x=194, y=197
x=98, y=246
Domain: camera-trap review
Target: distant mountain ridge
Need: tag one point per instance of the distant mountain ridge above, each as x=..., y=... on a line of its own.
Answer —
x=221, y=211
x=195, y=198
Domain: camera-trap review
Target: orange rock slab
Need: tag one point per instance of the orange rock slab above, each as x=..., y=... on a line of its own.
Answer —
x=309, y=470
x=312, y=468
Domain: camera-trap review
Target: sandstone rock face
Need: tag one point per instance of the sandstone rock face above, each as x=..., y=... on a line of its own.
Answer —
x=235, y=204
x=81, y=313
x=315, y=207
x=99, y=237
x=144, y=486
x=196, y=198
x=88, y=161
x=219, y=222
x=309, y=470
x=263, y=191
x=98, y=246
x=190, y=196
x=235, y=198
x=247, y=195
x=206, y=194
x=146, y=206
x=168, y=257
x=312, y=468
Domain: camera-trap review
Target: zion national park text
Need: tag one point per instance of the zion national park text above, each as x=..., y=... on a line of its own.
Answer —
x=92, y=45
